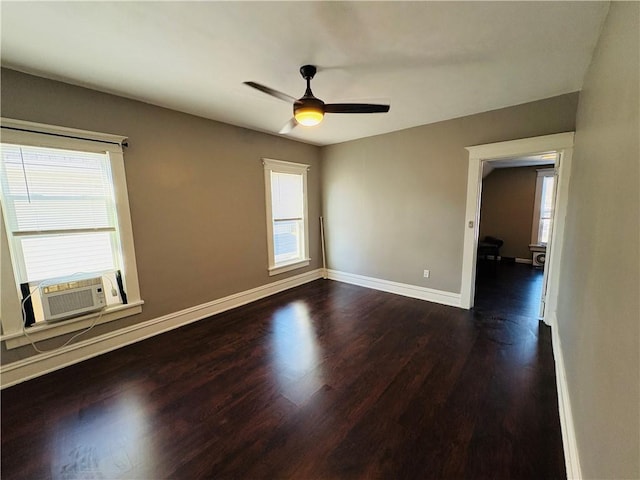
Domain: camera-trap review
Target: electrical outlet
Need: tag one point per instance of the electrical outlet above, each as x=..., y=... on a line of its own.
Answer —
x=426, y=274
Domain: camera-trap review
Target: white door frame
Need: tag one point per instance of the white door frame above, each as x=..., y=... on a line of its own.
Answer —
x=562, y=143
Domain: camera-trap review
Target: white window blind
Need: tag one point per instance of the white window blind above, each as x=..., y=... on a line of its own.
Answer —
x=60, y=210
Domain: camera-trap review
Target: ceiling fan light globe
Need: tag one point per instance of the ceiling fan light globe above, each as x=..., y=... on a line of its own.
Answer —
x=309, y=116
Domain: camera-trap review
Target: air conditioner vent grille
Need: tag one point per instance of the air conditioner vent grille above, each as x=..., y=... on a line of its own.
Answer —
x=79, y=299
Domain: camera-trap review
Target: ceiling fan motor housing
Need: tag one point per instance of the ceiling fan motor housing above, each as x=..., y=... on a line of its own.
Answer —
x=307, y=102
x=308, y=111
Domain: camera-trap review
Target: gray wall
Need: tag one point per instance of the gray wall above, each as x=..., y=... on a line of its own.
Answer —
x=598, y=308
x=506, y=210
x=196, y=191
x=394, y=204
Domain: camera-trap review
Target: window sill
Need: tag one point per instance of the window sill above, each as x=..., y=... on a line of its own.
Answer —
x=51, y=330
x=287, y=267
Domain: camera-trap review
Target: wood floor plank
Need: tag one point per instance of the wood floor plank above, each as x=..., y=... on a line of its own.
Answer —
x=327, y=380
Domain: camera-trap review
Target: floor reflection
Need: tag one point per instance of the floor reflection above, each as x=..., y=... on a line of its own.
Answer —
x=513, y=288
x=105, y=440
x=534, y=292
x=295, y=352
x=506, y=307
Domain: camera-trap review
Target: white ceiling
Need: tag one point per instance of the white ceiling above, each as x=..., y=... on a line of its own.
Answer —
x=431, y=61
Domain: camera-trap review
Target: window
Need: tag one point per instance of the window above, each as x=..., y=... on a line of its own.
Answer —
x=60, y=211
x=543, y=209
x=287, y=224
x=66, y=214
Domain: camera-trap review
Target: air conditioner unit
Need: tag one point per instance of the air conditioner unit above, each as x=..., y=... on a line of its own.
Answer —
x=538, y=254
x=539, y=259
x=71, y=298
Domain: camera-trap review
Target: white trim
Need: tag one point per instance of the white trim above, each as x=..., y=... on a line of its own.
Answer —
x=413, y=291
x=569, y=442
x=283, y=166
x=125, y=228
x=471, y=232
x=516, y=148
x=27, y=133
x=40, y=364
x=503, y=151
x=289, y=266
x=38, y=333
x=556, y=242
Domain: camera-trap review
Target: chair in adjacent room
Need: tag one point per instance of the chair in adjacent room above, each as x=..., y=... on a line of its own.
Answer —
x=490, y=246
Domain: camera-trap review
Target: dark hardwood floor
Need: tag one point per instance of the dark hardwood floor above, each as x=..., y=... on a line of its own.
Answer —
x=326, y=380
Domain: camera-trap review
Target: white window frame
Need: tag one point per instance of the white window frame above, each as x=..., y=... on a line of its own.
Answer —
x=535, y=224
x=280, y=166
x=40, y=135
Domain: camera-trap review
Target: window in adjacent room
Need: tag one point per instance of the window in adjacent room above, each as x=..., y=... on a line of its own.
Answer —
x=66, y=218
x=543, y=210
x=287, y=223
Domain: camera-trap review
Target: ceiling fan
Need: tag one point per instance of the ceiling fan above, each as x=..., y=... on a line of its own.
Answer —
x=309, y=110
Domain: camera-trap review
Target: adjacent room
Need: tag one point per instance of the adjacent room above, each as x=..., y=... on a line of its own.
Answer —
x=516, y=212
x=320, y=240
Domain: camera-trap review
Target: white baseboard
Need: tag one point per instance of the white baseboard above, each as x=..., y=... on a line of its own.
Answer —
x=524, y=260
x=516, y=259
x=571, y=456
x=37, y=365
x=413, y=291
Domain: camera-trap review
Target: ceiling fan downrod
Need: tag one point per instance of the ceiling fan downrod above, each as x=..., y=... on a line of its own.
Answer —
x=308, y=72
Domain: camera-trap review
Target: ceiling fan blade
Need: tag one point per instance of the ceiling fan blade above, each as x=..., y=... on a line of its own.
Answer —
x=271, y=91
x=355, y=108
x=291, y=124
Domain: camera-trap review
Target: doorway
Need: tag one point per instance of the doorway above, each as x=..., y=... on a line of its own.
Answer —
x=559, y=144
x=515, y=225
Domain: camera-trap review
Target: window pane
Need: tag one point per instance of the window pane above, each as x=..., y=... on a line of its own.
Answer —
x=287, y=240
x=61, y=255
x=545, y=225
x=286, y=195
x=49, y=189
x=546, y=209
